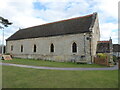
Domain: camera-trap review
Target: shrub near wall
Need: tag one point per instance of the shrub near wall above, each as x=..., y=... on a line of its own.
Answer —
x=101, y=59
x=102, y=56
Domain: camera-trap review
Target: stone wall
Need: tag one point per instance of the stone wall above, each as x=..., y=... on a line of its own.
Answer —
x=62, y=44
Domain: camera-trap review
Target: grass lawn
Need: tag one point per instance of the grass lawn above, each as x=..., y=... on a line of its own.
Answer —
x=50, y=63
x=18, y=77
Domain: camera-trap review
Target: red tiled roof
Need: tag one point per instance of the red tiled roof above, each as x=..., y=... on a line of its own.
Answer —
x=103, y=41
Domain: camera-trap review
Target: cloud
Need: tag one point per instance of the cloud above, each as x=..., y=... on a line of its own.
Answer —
x=21, y=13
x=24, y=13
x=108, y=7
x=109, y=30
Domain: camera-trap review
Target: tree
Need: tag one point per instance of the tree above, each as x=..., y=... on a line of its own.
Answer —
x=4, y=22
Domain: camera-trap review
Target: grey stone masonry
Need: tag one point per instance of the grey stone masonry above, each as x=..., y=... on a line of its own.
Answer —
x=40, y=47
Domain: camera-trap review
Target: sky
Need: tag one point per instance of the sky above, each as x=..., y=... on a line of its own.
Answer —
x=28, y=13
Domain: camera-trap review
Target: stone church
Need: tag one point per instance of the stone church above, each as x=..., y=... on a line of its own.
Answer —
x=71, y=40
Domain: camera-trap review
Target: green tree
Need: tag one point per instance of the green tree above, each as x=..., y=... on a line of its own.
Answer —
x=4, y=22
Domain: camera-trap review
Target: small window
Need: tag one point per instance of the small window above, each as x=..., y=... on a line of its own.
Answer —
x=21, y=48
x=34, y=50
x=11, y=47
x=74, y=47
x=52, y=48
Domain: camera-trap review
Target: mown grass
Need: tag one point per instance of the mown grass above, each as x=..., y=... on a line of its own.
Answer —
x=51, y=63
x=17, y=77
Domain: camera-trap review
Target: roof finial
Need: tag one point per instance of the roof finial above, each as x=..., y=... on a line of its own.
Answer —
x=110, y=39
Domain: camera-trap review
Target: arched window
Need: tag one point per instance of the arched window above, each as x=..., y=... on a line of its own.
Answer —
x=21, y=48
x=11, y=47
x=74, y=47
x=52, y=48
x=34, y=49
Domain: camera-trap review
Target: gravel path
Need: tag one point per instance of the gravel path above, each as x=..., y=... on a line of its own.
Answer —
x=56, y=68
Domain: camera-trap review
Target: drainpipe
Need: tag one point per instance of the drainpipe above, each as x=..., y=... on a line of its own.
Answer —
x=84, y=45
x=90, y=48
x=90, y=37
x=90, y=51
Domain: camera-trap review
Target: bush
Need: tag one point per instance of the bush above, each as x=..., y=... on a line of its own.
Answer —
x=102, y=55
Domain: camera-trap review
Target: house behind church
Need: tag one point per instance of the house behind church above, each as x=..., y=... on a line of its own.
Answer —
x=106, y=47
x=67, y=40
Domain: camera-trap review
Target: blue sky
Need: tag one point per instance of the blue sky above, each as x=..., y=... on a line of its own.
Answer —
x=27, y=13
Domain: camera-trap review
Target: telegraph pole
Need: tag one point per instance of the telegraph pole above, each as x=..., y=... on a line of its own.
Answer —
x=2, y=40
x=2, y=47
x=5, y=23
x=3, y=43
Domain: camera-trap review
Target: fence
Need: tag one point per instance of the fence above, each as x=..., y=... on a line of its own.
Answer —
x=101, y=61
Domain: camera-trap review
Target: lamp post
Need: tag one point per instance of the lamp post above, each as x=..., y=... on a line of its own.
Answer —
x=84, y=45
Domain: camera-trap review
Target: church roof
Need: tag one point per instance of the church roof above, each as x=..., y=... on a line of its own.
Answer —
x=69, y=26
